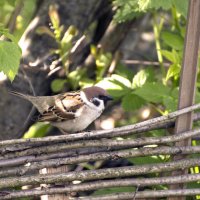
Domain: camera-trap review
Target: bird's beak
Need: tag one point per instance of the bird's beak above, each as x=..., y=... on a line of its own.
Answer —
x=109, y=98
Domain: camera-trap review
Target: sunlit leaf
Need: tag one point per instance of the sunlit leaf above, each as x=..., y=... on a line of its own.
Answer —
x=173, y=40
x=6, y=33
x=145, y=5
x=10, y=55
x=181, y=7
x=172, y=56
x=173, y=71
x=153, y=92
x=75, y=76
x=57, y=85
x=122, y=80
x=39, y=129
x=116, y=85
x=69, y=35
x=53, y=14
x=139, y=79
x=44, y=30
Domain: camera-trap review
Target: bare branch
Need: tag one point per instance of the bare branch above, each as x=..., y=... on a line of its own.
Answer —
x=99, y=156
x=109, y=143
x=45, y=156
x=98, y=174
x=143, y=194
x=142, y=62
x=95, y=185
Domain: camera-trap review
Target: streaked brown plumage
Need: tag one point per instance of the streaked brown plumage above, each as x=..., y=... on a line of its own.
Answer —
x=70, y=111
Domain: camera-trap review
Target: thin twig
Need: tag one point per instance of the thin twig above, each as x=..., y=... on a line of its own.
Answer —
x=109, y=143
x=142, y=194
x=98, y=174
x=16, y=161
x=148, y=151
x=95, y=185
x=142, y=62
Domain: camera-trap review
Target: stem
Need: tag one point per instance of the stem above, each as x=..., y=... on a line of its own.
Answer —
x=157, y=29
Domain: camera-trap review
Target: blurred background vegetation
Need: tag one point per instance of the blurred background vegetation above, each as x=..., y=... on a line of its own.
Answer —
x=142, y=74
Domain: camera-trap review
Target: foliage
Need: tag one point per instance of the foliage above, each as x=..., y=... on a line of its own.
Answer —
x=129, y=9
x=10, y=54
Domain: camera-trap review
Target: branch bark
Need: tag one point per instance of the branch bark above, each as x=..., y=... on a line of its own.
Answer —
x=144, y=194
x=122, y=144
x=147, y=151
x=98, y=174
x=95, y=185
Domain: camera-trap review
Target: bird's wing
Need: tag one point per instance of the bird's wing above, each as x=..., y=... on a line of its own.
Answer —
x=66, y=107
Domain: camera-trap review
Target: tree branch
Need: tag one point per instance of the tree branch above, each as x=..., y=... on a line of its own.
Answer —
x=95, y=185
x=109, y=143
x=143, y=194
x=147, y=151
x=98, y=174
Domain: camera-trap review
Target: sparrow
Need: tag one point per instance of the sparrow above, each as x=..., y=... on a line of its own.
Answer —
x=71, y=111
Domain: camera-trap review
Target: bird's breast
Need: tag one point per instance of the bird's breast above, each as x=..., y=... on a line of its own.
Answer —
x=84, y=118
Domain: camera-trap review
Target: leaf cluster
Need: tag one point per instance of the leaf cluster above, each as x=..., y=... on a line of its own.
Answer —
x=129, y=9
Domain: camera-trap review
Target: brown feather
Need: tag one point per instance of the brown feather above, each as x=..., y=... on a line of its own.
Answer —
x=65, y=108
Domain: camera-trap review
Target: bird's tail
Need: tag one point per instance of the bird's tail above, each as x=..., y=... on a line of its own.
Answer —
x=21, y=95
x=42, y=103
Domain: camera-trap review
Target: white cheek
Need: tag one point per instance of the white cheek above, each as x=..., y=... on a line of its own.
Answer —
x=99, y=108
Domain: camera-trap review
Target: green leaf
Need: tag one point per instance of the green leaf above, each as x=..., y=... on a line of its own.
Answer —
x=121, y=80
x=38, y=129
x=174, y=93
x=145, y=160
x=54, y=16
x=113, y=190
x=197, y=97
x=170, y=103
x=172, y=56
x=11, y=3
x=173, y=71
x=10, y=55
x=6, y=33
x=145, y=5
x=75, y=76
x=126, y=10
x=173, y=40
x=116, y=85
x=57, y=85
x=122, y=70
x=139, y=79
x=132, y=102
x=153, y=92
x=86, y=82
x=181, y=7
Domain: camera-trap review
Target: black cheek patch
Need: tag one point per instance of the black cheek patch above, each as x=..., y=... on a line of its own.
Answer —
x=96, y=102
